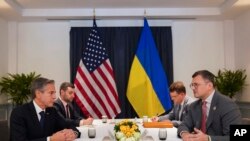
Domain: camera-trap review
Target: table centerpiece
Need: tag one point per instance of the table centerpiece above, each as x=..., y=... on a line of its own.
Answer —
x=127, y=130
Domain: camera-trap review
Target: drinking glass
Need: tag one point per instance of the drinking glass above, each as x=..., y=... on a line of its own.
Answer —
x=162, y=134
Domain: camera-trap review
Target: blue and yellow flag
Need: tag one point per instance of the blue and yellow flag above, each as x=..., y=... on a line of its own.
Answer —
x=147, y=88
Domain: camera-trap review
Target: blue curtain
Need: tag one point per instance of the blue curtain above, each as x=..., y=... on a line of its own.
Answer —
x=122, y=43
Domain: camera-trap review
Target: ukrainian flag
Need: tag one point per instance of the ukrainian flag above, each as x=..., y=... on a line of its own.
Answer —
x=147, y=88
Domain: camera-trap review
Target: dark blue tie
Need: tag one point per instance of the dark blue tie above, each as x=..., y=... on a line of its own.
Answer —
x=42, y=113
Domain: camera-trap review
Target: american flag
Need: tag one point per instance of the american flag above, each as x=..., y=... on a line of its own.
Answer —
x=95, y=87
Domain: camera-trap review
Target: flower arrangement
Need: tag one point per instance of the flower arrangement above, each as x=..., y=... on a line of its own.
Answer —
x=127, y=131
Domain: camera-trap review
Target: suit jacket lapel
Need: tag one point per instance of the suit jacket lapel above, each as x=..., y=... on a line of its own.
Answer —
x=62, y=107
x=184, y=109
x=176, y=112
x=212, y=110
x=47, y=120
x=34, y=115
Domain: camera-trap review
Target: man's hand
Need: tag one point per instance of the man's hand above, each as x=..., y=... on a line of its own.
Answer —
x=167, y=120
x=58, y=136
x=154, y=119
x=69, y=135
x=186, y=136
x=87, y=121
x=197, y=135
x=63, y=135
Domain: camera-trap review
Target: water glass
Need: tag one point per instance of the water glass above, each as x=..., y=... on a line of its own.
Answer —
x=162, y=134
x=91, y=132
x=104, y=119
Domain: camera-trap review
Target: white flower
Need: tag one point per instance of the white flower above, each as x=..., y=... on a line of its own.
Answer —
x=127, y=131
x=130, y=139
x=123, y=139
x=119, y=135
x=137, y=135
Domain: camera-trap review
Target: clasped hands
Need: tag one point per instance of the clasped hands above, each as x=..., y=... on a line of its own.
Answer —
x=64, y=135
x=197, y=135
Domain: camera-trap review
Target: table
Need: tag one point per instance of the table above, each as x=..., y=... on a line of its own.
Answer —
x=102, y=130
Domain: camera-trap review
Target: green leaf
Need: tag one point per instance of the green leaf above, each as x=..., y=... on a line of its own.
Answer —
x=17, y=86
x=230, y=82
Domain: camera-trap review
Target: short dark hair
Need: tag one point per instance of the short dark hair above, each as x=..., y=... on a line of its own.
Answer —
x=177, y=86
x=205, y=74
x=64, y=86
x=39, y=84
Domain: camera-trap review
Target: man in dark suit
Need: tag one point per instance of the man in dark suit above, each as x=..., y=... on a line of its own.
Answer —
x=210, y=117
x=65, y=109
x=181, y=102
x=38, y=120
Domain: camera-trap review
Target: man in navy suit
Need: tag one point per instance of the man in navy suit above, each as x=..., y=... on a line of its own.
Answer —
x=209, y=118
x=181, y=102
x=38, y=120
x=65, y=108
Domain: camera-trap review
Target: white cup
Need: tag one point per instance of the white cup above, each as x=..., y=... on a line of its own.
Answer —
x=91, y=132
x=162, y=134
x=145, y=119
x=104, y=119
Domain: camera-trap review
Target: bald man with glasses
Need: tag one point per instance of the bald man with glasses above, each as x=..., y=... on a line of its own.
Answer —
x=209, y=118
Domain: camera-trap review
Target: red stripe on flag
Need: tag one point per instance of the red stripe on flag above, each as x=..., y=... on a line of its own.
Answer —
x=93, y=91
x=109, y=69
x=100, y=100
x=98, y=89
x=89, y=100
x=81, y=106
x=105, y=94
x=113, y=91
x=110, y=87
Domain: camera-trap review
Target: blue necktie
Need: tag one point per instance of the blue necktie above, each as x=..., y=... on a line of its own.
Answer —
x=42, y=113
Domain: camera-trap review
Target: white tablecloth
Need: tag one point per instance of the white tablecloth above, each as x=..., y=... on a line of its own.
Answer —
x=102, y=130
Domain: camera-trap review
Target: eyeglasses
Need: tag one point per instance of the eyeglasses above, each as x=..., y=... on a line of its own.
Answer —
x=196, y=85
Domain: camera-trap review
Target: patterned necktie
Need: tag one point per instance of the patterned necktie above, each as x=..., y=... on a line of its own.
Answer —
x=204, y=117
x=42, y=114
x=67, y=111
